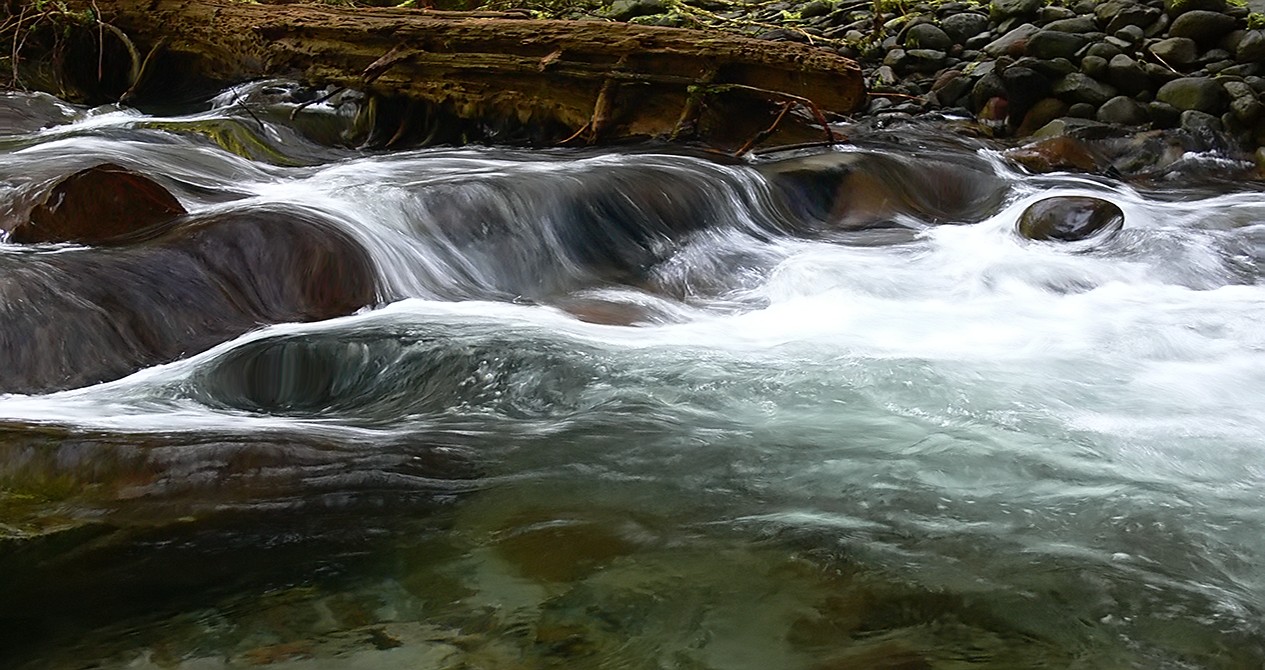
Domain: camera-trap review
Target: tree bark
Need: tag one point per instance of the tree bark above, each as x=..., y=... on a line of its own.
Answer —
x=589, y=81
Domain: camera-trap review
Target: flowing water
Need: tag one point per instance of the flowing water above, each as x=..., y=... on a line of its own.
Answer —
x=649, y=409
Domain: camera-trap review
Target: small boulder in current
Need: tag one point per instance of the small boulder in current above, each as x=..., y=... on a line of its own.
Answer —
x=98, y=206
x=1070, y=218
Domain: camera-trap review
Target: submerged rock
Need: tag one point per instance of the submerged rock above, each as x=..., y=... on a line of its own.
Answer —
x=101, y=205
x=1070, y=219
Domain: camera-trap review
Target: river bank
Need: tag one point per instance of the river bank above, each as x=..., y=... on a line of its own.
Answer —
x=1134, y=84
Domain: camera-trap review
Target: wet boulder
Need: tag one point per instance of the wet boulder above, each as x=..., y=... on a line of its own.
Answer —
x=81, y=316
x=860, y=190
x=1070, y=219
x=101, y=205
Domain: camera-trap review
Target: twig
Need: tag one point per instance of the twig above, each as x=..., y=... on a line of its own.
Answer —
x=577, y=133
x=767, y=132
x=140, y=75
x=324, y=98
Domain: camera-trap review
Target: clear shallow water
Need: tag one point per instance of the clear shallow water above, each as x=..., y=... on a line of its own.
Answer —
x=637, y=410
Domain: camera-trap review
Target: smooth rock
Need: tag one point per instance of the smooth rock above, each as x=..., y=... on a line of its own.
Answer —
x=1013, y=43
x=1194, y=93
x=1046, y=44
x=1175, y=7
x=1070, y=219
x=1204, y=27
x=1082, y=110
x=1247, y=109
x=623, y=10
x=1095, y=66
x=964, y=26
x=1000, y=10
x=927, y=36
x=926, y=61
x=1041, y=113
x=1077, y=87
x=1127, y=75
x=1079, y=24
x=1051, y=13
x=1139, y=16
x=1131, y=34
x=1163, y=115
x=1251, y=49
x=1103, y=50
x=206, y=279
x=1106, y=11
x=1176, y=51
x=1196, y=121
x=100, y=205
x=1124, y=111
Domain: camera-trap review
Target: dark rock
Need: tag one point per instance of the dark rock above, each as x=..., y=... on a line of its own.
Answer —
x=623, y=10
x=1013, y=43
x=1175, y=7
x=1194, y=93
x=1041, y=113
x=1077, y=87
x=1070, y=219
x=1103, y=50
x=1024, y=87
x=928, y=36
x=1082, y=110
x=923, y=60
x=1124, y=46
x=1131, y=34
x=895, y=58
x=1158, y=74
x=1106, y=11
x=1232, y=40
x=815, y=8
x=1176, y=51
x=1251, y=48
x=1195, y=121
x=1238, y=89
x=1139, y=16
x=1213, y=56
x=987, y=87
x=1051, y=13
x=1158, y=27
x=1219, y=66
x=1094, y=66
x=1204, y=27
x=856, y=190
x=1000, y=10
x=1127, y=75
x=964, y=26
x=1124, y=111
x=950, y=87
x=1163, y=115
x=1053, y=68
x=1246, y=110
x=101, y=205
x=203, y=281
x=1079, y=24
x=1047, y=44
x=1243, y=70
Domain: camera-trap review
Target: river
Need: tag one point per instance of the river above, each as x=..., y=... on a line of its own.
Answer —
x=648, y=408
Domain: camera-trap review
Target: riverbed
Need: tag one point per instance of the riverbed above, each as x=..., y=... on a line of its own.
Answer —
x=650, y=407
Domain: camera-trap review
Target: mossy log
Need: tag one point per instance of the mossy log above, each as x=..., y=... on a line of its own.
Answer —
x=586, y=81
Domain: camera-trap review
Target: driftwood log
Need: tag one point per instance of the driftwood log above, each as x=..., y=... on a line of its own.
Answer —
x=578, y=81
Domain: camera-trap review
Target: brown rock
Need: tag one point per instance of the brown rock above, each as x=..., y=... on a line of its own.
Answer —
x=1058, y=153
x=1070, y=219
x=101, y=205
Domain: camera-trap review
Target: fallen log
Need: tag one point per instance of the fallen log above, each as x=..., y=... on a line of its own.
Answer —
x=474, y=74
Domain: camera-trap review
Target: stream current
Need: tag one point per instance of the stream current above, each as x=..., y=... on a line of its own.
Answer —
x=643, y=408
